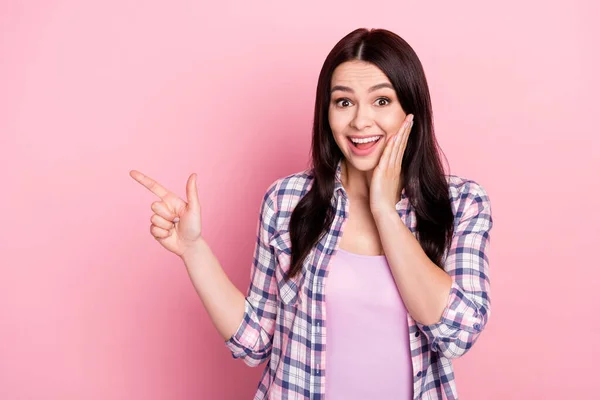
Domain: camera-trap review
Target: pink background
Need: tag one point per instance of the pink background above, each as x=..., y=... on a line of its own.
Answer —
x=91, y=307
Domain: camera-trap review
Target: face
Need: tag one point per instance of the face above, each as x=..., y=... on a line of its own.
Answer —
x=363, y=106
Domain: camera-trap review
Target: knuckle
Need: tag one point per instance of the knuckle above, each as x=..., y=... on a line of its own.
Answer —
x=156, y=231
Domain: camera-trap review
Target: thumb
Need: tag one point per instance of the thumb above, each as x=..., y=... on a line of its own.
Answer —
x=192, y=192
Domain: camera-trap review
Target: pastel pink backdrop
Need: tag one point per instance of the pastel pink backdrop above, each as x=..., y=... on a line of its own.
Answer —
x=91, y=307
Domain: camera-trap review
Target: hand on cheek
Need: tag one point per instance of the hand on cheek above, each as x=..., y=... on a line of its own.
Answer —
x=385, y=183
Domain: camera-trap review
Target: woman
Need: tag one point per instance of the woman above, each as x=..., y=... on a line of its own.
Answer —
x=370, y=269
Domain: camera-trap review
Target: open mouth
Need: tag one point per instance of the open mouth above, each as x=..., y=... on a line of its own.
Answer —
x=365, y=144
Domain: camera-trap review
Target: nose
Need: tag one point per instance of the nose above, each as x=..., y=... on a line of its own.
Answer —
x=363, y=118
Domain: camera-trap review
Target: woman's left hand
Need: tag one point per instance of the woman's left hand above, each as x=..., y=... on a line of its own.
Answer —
x=385, y=183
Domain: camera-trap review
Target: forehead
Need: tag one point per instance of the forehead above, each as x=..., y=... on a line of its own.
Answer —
x=358, y=74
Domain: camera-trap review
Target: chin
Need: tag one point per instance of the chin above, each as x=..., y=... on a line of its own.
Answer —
x=363, y=164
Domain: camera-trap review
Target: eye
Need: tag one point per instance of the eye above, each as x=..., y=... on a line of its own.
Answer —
x=344, y=100
x=385, y=99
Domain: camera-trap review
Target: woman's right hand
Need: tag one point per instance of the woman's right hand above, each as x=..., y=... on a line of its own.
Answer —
x=175, y=224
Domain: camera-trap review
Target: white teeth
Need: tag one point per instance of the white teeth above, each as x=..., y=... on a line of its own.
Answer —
x=365, y=140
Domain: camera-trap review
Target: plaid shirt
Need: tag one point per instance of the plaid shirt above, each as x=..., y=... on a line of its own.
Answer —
x=285, y=322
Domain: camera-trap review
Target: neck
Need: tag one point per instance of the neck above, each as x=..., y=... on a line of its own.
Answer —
x=355, y=181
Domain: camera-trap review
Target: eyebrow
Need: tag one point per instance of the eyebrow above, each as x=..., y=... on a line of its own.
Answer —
x=372, y=89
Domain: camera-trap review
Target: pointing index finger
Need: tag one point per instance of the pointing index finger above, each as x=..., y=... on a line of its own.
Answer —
x=149, y=183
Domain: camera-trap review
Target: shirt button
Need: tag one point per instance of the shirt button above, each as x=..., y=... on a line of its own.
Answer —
x=477, y=326
x=417, y=334
x=419, y=373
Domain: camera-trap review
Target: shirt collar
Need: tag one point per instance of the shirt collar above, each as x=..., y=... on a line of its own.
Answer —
x=338, y=180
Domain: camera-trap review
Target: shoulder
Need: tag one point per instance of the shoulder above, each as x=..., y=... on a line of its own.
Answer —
x=468, y=198
x=285, y=192
x=462, y=188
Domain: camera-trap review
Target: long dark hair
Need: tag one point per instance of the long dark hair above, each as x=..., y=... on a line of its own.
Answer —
x=422, y=170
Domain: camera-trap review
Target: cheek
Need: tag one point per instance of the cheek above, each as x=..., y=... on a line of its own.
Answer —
x=337, y=123
x=391, y=121
x=334, y=116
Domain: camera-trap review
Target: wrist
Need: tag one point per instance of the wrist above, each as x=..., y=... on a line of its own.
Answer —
x=196, y=250
x=382, y=213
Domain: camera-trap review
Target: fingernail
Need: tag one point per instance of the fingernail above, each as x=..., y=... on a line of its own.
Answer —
x=176, y=219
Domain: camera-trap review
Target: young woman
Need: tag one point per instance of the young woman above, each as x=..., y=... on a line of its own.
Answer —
x=370, y=269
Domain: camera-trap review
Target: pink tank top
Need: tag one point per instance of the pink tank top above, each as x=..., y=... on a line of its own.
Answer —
x=367, y=351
